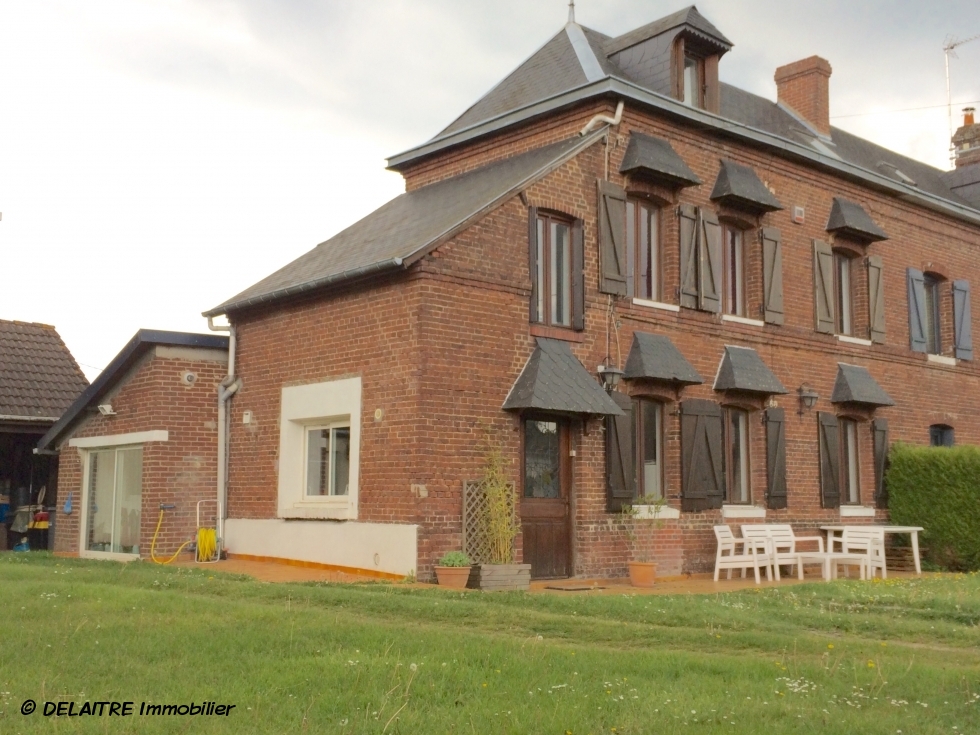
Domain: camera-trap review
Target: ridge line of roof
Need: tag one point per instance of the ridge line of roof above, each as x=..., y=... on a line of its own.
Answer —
x=583, y=51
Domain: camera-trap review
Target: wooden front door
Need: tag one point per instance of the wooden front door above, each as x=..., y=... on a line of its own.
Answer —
x=545, y=517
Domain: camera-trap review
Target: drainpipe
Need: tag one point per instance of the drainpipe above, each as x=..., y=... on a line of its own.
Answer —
x=226, y=389
x=605, y=118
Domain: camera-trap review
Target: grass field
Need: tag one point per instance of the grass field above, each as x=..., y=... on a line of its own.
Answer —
x=901, y=656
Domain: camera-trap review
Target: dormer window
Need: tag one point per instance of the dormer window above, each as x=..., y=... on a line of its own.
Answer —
x=693, y=81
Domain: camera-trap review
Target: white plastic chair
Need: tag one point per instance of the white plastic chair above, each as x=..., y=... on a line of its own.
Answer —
x=755, y=551
x=868, y=540
x=784, y=544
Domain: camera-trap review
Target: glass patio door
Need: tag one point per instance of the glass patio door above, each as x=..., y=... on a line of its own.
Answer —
x=115, y=489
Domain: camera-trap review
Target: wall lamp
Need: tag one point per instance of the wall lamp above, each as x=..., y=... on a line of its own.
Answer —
x=808, y=398
x=610, y=377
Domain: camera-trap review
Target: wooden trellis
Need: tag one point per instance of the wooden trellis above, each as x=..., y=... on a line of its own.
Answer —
x=475, y=541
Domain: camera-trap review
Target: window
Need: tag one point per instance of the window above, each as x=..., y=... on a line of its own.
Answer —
x=693, y=74
x=934, y=343
x=736, y=456
x=327, y=460
x=940, y=435
x=115, y=494
x=642, y=250
x=850, y=479
x=649, y=434
x=844, y=295
x=554, y=271
x=542, y=459
x=734, y=271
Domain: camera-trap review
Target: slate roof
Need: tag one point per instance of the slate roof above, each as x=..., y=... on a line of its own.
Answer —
x=140, y=344
x=739, y=186
x=654, y=356
x=742, y=369
x=39, y=378
x=554, y=380
x=409, y=226
x=854, y=384
x=850, y=219
x=965, y=182
x=688, y=16
x=656, y=157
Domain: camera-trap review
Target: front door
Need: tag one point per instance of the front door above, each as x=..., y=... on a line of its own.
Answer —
x=545, y=517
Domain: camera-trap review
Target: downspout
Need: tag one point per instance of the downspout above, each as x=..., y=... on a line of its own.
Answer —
x=226, y=389
x=605, y=119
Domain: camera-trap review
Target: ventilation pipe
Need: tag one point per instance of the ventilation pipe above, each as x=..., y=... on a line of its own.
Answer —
x=226, y=389
x=605, y=119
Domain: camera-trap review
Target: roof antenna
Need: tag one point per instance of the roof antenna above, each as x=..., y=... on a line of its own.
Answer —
x=571, y=11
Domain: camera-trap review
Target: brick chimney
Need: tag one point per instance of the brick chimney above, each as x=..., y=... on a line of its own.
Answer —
x=804, y=87
x=966, y=140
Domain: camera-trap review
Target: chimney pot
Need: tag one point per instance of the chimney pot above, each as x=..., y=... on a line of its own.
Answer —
x=968, y=115
x=804, y=87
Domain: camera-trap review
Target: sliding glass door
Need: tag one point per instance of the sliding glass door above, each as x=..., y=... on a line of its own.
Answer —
x=115, y=492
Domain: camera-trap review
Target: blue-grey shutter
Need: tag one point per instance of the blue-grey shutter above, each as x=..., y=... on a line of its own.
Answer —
x=578, y=276
x=876, y=298
x=772, y=275
x=775, y=458
x=823, y=287
x=917, y=310
x=688, y=227
x=702, y=472
x=710, y=263
x=828, y=433
x=962, y=321
x=532, y=262
x=612, y=238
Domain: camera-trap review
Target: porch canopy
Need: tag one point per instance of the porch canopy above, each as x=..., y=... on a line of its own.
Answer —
x=739, y=187
x=851, y=220
x=854, y=384
x=654, y=357
x=656, y=159
x=554, y=380
x=743, y=370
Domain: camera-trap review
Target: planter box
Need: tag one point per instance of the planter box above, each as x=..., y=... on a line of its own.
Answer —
x=492, y=577
x=453, y=577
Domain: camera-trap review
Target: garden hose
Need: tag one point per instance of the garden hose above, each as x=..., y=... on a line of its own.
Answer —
x=207, y=544
x=153, y=544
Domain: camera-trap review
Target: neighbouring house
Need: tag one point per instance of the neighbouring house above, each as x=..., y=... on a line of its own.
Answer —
x=141, y=439
x=771, y=301
x=39, y=379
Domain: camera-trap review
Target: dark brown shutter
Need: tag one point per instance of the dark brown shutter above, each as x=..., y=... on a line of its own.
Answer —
x=962, y=322
x=532, y=247
x=710, y=263
x=702, y=474
x=823, y=286
x=688, y=226
x=876, y=298
x=612, y=238
x=772, y=275
x=879, y=427
x=917, y=310
x=620, y=462
x=578, y=276
x=775, y=458
x=829, y=460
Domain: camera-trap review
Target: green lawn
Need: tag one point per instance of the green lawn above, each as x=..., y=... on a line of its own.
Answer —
x=846, y=657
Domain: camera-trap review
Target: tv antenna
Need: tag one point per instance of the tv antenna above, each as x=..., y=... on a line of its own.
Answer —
x=948, y=48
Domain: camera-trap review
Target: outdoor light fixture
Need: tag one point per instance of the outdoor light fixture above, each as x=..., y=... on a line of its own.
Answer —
x=808, y=398
x=106, y=409
x=610, y=377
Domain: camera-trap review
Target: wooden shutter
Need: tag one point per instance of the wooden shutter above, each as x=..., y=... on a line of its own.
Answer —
x=829, y=460
x=917, y=310
x=775, y=458
x=772, y=275
x=612, y=239
x=710, y=263
x=876, y=298
x=702, y=474
x=578, y=275
x=620, y=461
x=688, y=227
x=962, y=325
x=823, y=286
x=532, y=248
x=879, y=427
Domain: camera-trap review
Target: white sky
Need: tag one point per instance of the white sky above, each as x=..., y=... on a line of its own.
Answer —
x=157, y=158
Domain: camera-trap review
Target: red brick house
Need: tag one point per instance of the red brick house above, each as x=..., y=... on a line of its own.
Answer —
x=141, y=438
x=780, y=298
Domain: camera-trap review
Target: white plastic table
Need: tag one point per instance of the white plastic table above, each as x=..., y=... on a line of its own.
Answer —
x=913, y=531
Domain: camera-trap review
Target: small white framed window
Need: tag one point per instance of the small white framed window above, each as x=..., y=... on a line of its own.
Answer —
x=327, y=460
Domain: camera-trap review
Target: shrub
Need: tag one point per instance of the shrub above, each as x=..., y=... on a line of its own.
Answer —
x=938, y=488
x=455, y=559
x=499, y=520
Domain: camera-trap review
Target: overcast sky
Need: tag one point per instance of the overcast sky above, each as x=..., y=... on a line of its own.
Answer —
x=157, y=158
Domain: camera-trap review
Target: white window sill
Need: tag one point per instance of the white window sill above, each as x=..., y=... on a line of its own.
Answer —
x=319, y=511
x=648, y=512
x=941, y=360
x=742, y=320
x=856, y=511
x=742, y=511
x=656, y=305
x=853, y=340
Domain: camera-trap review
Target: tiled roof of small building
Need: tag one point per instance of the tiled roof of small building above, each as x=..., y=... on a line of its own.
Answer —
x=39, y=378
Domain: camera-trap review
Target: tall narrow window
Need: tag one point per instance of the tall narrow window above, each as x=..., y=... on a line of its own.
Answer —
x=692, y=81
x=734, y=271
x=115, y=493
x=844, y=294
x=554, y=271
x=850, y=477
x=737, y=456
x=934, y=342
x=642, y=250
x=327, y=460
x=650, y=448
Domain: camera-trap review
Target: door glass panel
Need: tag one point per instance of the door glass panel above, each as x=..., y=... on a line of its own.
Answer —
x=542, y=459
x=341, y=461
x=115, y=500
x=317, y=445
x=651, y=433
x=102, y=478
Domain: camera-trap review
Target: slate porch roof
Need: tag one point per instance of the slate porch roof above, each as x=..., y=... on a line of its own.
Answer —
x=657, y=158
x=654, y=357
x=850, y=219
x=854, y=384
x=740, y=186
x=39, y=378
x=742, y=369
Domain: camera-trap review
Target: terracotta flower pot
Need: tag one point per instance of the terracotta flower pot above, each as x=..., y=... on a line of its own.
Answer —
x=642, y=573
x=454, y=577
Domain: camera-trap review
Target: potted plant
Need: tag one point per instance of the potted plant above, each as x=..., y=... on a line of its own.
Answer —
x=642, y=571
x=453, y=569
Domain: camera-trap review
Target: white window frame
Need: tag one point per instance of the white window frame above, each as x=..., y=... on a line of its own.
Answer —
x=306, y=459
x=333, y=403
